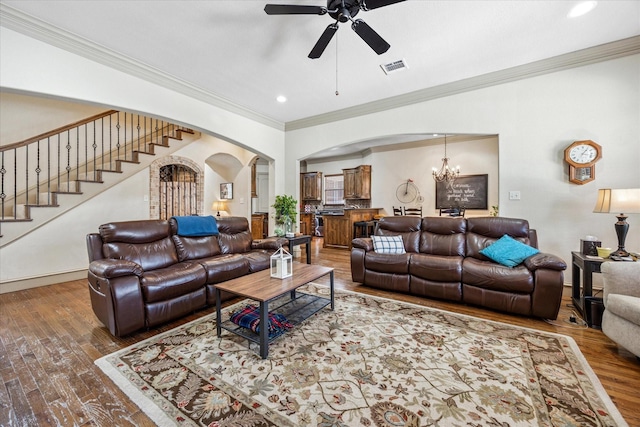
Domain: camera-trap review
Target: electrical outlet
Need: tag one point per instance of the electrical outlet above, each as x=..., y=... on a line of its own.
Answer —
x=514, y=195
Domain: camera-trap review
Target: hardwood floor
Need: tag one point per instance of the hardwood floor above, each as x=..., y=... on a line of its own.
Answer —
x=49, y=339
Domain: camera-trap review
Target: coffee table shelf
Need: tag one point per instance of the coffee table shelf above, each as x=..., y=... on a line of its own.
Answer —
x=281, y=293
x=296, y=309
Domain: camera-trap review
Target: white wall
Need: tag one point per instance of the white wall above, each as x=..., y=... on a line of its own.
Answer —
x=24, y=116
x=535, y=120
x=392, y=166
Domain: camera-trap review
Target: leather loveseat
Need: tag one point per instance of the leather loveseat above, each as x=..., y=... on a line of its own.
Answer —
x=144, y=273
x=443, y=261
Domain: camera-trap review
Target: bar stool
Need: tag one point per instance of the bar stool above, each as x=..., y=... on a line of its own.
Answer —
x=363, y=228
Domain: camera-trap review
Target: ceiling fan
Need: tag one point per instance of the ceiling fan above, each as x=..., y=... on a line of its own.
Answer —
x=341, y=11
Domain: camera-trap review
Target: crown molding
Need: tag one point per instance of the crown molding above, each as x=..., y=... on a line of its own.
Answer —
x=28, y=25
x=25, y=24
x=600, y=53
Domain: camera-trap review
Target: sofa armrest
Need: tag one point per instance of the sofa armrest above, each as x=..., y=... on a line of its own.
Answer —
x=270, y=243
x=545, y=261
x=112, y=268
x=364, y=243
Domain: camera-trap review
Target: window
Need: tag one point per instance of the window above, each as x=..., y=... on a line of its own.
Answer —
x=334, y=190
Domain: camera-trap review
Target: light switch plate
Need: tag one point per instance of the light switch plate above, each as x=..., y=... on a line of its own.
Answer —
x=514, y=195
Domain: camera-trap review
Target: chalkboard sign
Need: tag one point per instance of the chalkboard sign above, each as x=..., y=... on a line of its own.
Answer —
x=468, y=191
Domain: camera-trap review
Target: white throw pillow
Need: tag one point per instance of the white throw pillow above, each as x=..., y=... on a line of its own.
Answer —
x=388, y=244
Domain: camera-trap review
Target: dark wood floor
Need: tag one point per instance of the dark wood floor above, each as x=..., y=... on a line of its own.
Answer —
x=49, y=339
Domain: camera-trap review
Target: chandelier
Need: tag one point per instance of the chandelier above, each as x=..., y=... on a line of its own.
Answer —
x=445, y=173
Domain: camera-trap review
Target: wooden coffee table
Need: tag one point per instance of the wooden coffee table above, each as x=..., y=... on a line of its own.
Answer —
x=264, y=289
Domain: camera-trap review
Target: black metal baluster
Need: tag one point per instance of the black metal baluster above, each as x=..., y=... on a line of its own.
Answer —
x=48, y=170
x=68, y=167
x=3, y=195
x=38, y=170
x=15, y=183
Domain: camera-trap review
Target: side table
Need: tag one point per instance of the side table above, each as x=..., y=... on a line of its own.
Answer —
x=583, y=269
x=299, y=240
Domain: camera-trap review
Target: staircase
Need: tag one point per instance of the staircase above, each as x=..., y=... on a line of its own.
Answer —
x=47, y=175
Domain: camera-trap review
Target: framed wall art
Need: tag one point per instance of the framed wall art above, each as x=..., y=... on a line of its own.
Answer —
x=226, y=191
x=466, y=191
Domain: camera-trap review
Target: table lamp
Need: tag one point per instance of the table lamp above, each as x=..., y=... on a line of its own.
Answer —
x=218, y=206
x=623, y=201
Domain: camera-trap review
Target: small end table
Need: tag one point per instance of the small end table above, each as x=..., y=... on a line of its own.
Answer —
x=299, y=240
x=587, y=266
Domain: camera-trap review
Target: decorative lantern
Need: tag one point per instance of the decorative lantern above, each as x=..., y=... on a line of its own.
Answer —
x=281, y=264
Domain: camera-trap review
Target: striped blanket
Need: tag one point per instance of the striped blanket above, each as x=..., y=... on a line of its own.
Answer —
x=249, y=317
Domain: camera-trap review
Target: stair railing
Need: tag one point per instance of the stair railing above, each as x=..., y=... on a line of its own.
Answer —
x=33, y=170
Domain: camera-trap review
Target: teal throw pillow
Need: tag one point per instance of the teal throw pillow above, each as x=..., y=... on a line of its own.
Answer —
x=508, y=251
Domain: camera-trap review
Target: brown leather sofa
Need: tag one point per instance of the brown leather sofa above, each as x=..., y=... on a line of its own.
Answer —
x=143, y=273
x=443, y=261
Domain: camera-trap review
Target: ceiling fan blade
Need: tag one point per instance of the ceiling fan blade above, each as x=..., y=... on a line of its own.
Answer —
x=323, y=41
x=294, y=9
x=366, y=33
x=374, y=4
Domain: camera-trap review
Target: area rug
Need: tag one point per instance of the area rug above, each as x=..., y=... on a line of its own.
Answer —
x=371, y=362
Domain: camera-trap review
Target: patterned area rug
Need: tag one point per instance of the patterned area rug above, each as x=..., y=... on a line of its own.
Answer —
x=371, y=362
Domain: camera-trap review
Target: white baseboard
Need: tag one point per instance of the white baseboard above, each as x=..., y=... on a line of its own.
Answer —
x=36, y=282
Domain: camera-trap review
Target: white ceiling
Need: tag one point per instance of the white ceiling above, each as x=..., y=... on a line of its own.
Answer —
x=235, y=53
x=234, y=50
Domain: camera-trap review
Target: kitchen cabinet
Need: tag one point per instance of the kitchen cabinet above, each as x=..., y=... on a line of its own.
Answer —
x=306, y=223
x=357, y=182
x=311, y=186
x=338, y=229
x=259, y=225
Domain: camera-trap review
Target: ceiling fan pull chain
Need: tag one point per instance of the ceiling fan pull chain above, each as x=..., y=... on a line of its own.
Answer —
x=337, y=93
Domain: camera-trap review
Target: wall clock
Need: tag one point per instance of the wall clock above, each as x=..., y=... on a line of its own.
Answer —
x=582, y=157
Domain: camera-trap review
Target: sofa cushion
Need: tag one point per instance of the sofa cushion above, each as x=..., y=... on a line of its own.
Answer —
x=196, y=247
x=387, y=263
x=259, y=259
x=173, y=281
x=443, y=236
x=483, y=231
x=225, y=267
x=436, y=267
x=489, y=275
x=150, y=256
x=406, y=226
x=388, y=244
x=508, y=251
x=144, y=231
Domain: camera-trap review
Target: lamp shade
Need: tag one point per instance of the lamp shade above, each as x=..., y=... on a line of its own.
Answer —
x=626, y=200
x=217, y=206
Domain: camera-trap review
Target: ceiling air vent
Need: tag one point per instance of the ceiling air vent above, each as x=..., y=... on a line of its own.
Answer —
x=394, y=66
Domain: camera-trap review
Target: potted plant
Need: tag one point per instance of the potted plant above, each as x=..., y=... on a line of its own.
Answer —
x=285, y=207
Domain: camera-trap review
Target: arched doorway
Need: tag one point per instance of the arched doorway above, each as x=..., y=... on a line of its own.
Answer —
x=176, y=188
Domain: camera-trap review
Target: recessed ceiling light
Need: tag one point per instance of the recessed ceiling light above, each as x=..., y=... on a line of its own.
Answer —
x=281, y=98
x=582, y=8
